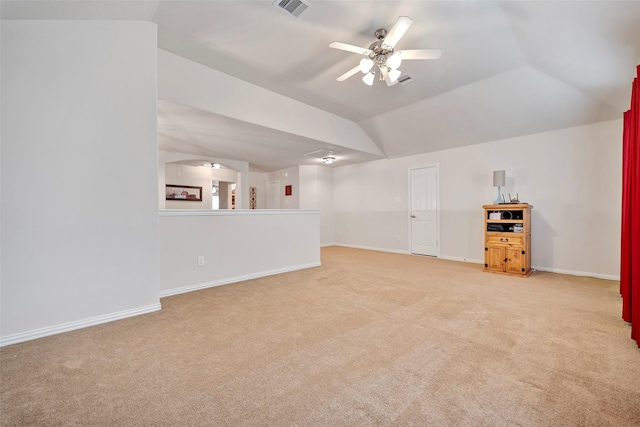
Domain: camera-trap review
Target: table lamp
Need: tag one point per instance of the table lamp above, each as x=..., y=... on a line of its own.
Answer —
x=498, y=181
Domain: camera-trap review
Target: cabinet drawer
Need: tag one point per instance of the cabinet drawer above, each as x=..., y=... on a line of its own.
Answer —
x=504, y=240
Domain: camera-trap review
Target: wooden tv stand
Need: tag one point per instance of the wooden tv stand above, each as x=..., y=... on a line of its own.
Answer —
x=507, y=241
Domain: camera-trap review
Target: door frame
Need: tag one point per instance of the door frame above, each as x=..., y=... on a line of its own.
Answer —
x=409, y=240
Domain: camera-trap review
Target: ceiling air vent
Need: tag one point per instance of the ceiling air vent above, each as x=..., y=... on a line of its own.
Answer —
x=293, y=7
x=405, y=79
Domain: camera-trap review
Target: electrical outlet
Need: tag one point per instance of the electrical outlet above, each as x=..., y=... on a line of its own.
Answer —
x=399, y=238
x=200, y=261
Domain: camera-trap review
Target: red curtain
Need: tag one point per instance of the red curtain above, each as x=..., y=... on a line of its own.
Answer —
x=630, y=238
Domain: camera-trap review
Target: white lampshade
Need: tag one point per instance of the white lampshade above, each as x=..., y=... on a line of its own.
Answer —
x=394, y=61
x=498, y=178
x=365, y=65
x=393, y=75
x=368, y=79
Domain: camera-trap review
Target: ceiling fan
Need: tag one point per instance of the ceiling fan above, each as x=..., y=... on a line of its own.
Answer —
x=383, y=54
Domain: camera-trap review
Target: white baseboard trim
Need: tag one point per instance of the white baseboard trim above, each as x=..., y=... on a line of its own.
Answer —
x=455, y=258
x=327, y=245
x=199, y=286
x=368, y=248
x=480, y=261
x=577, y=273
x=79, y=324
x=549, y=270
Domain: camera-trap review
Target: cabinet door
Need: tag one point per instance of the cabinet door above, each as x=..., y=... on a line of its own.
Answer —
x=515, y=261
x=494, y=258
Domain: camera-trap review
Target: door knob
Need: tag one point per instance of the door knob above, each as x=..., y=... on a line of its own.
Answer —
x=413, y=216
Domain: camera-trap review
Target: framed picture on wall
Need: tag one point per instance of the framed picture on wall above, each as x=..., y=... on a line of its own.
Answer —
x=183, y=192
x=287, y=190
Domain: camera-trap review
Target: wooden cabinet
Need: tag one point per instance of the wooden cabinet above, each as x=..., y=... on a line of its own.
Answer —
x=507, y=239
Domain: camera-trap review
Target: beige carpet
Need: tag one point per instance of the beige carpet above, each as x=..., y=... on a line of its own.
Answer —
x=367, y=339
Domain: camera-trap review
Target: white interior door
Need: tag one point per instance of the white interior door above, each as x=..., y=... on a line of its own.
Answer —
x=424, y=211
x=274, y=195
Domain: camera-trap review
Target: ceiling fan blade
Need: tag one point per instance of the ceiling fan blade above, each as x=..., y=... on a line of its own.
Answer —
x=348, y=74
x=397, y=31
x=350, y=48
x=420, y=54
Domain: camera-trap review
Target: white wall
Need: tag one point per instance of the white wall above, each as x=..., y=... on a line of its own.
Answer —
x=289, y=176
x=571, y=177
x=312, y=188
x=239, y=169
x=196, y=176
x=256, y=243
x=316, y=192
x=79, y=173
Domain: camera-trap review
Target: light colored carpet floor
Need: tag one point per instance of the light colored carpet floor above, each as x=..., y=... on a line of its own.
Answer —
x=367, y=339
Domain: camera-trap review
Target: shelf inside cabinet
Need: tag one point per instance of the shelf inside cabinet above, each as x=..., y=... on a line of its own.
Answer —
x=503, y=233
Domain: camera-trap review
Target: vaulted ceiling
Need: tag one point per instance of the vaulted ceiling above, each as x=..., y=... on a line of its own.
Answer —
x=507, y=68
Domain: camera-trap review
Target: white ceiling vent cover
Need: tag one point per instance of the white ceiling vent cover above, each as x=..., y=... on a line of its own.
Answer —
x=405, y=79
x=293, y=7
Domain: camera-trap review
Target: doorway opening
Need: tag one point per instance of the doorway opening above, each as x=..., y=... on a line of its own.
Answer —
x=274, y=195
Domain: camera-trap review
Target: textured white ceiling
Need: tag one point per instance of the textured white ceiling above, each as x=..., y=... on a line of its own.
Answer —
x=507, y=69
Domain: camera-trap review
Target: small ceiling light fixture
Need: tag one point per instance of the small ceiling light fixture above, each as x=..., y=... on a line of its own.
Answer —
x=216, y=165
x=328, y=160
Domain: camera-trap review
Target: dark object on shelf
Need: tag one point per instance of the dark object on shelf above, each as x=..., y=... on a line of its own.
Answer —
x=495, y=227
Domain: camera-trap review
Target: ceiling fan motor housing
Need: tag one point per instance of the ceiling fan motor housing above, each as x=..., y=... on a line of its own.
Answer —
x=380, y=52
x=380, y=34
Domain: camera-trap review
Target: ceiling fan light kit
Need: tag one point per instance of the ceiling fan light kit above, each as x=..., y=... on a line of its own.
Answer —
x=365, y=65
x=394, y=61
x=393, y=75
x=328, y=160
x=382, y=54
x=369, y=78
